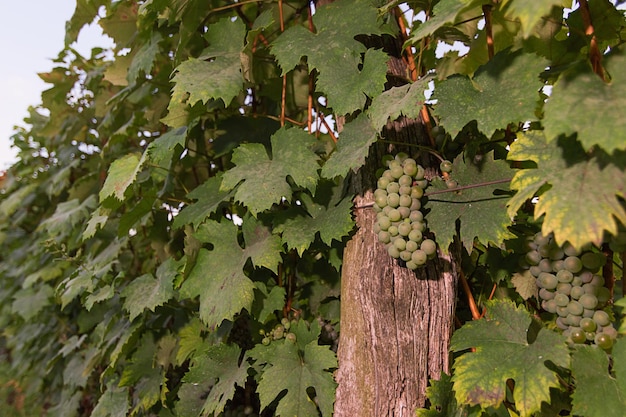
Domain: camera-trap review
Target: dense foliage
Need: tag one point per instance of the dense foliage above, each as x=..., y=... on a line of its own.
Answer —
x=172, y=233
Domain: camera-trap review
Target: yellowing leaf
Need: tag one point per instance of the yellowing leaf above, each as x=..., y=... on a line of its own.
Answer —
x=122, y=174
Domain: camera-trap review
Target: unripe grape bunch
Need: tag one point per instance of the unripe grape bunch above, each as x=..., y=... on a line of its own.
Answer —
x=571, y=286
x=400, y=223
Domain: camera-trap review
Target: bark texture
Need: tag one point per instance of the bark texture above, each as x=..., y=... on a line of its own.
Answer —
x=395, y=323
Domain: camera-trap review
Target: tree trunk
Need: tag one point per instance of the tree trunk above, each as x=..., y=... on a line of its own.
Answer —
x=395, y=323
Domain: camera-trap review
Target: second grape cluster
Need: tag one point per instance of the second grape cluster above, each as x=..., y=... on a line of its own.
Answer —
x=400, y=223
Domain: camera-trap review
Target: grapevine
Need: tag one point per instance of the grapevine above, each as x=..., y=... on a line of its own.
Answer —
x=571, y=287
x=400, y=222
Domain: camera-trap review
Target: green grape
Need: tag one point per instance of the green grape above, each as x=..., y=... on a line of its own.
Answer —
x=412, y=245
x=575, y=308
x=570, y=250
x=417, y=192
x=376, y=228
x=588, y=325
x=406, y=201
x=410, y=167
x=573, y=264
x=597, y=280
x=586, y=276
x=576, y=292
x=555, y=253
x=544, y=250
x=419, y=257
x=450, y=183
x=388, y=176
x=561, y=300
x=578, y=336
x=266, y=341
x=535, y=271
x=562, y=311
x=394, y=215
x=549, y=306
x=564, y=288
x=382, y=183
x=393, y=187
x=421, y=226
x=394, y=163
x=422, y=183
x=416, y=216
x=560, y=322
x=603, y=340
x=393, y=200
x=393, y=251
x=604, y=295
x=399, y=244
x=286, y=323
x=386, y=159
x=565, y=276
x=588, y=313
x=405, y=212
x=279, y=332
x=547, y=281
x=593, y=261
x=573, y=320
x=393, y=230
x=577, y=282
x=588, y=301
x=384, y=223
x=380, y=191
x=405, y=180
x=404, y=229
x=419, y=176
x=397, y=172
x=415, y=235
x=381, y=200
x=601, y=318
x=384, y=237
x=405, y=190
x=540, y=239
x=405, y=255
x=445, y=166
x=411, y=265
x=590, y=336
x=610, y=331
x=533, y=257
x=429, y=247
x=401, y=156
x=589, y=288
x=557, y=265
x=387, y=209
x=416, y=204
x=545, y=265
x=546, y=294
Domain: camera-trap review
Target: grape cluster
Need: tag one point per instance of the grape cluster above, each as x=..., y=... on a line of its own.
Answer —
x=400, y=223
x=571, y=287
x=279, y=331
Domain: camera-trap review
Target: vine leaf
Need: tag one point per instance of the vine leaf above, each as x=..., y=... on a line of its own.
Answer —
x=398, y=101
x=142, y=374
x=503, y=340
x=296, y=367
x=122, y=173
x=216, y=74
x=209, y=198
x=113, y=403
x=340, y=79
x=148, y=292
x=598, y=393
x=525, y=284
x=529, y=14
x=329, y=214
x=214, y=374
x=566, y=180
x=481, y=210
x=218, y=277
x=263, y=179
x=352, y=148
x=440, y=394
x=577, y=105
x=503, y=91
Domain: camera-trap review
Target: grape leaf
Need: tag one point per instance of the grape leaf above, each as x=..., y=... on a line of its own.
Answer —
x=147, y=292
x=113, y=403
x=295, y=367
x=141, y=374
x=84, y=13
x=582, y=103
x=599, y=394
x=529, y=13
x=577, y=183
x=263, y=178
x=503, y=340
x=481, y=210
x=398, y=101
x=122, y=173
x=209, y=199
x=120, y=23
x=143, y=59
x=503, y=91
x=329, y=214
x=441, y=397
x=217, y=73
x=217, y=371
x=29, y=301
x=525, y=284
x=218, y=277
x=336, y=26
x=443, y=13
x=161, y=150
x=266, y=303
x=352, y=148
x=67, y=215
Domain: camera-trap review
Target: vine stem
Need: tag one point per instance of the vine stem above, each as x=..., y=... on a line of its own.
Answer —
x=476, y=314
x=309, y=118
x=465, y=187
x=283, y=97
x=594, y=52
x=488, y=29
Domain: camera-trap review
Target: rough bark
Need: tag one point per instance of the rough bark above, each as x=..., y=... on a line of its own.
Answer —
x=395, y=323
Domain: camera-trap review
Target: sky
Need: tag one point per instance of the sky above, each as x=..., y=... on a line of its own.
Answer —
x=32, y=34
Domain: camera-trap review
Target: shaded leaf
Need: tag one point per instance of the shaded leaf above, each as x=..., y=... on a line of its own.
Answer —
x=503, y=91
x=113, y=403
x=582, y=103
x=525, y=284
x=502, y=341
x=263, y=178
x=443, y=13
x=398, y=101
x=573, y=178
x=122, y=173
x=440, y=394
x=352, y=148
x=209, y=199
x=529, y=13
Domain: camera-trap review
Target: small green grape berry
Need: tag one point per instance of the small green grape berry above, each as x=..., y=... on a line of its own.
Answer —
x=445, y=166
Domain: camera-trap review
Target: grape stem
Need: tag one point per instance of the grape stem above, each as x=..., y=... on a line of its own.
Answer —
x=465, y=187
